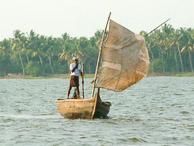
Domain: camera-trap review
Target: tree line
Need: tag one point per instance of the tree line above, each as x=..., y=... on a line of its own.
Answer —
x=170, y=50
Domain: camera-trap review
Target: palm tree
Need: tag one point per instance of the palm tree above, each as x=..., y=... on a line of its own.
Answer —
x=5, y=57
x=18, y=44
x=188, y=45
x=177, y=42
x=36, y=45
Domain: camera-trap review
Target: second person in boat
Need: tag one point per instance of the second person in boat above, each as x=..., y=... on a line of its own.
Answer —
x=76, y=71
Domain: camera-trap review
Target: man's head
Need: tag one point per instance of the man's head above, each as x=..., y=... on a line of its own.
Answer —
x=75, y=59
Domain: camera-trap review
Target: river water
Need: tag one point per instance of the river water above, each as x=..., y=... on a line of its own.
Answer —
x=156, y=111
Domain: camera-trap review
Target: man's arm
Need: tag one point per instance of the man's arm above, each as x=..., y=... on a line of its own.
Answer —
x=76, y=66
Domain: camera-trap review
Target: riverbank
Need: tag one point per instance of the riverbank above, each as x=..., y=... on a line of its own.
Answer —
x=19, y=76
x=188, y=74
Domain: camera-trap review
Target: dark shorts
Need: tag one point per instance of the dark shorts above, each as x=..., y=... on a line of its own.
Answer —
x=74, y=81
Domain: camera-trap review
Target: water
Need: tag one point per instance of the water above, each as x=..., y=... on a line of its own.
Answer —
x=156, y=111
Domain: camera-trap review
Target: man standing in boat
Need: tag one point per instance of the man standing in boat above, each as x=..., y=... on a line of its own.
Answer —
x=76, y=70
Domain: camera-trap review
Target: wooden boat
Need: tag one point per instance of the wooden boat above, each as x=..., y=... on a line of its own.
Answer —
x=124, y=62
x=83, y=108
x=77, y=108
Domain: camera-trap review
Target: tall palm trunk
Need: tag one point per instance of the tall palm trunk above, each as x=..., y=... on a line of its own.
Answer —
x=40, y=59
x=22, y=63
x=27, y=58
x=163, y=65
x=50, y=62
x=191, y=65
x=152, y=54
x=175, y=57
x=180, y=58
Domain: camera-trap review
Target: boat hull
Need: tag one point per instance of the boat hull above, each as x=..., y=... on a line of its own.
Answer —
x=102, y=108
x=83, y=108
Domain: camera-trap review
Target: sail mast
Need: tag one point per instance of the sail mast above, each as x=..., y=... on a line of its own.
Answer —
x=99, y=55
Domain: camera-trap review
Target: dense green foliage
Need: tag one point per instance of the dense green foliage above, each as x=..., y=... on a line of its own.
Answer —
x=170, y=50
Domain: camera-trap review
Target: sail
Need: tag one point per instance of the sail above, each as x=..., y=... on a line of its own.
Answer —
x=125, y=59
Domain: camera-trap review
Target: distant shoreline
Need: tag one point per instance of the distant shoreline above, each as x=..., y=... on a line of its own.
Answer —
x=19, y=76
x=186, y=74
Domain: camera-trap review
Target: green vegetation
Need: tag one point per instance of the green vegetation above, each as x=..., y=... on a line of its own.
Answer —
x=170, y=50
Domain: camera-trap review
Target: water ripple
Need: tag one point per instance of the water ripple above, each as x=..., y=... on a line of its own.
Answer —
x=156, y=111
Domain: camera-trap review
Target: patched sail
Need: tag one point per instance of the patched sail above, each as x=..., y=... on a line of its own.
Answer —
x=125, y=59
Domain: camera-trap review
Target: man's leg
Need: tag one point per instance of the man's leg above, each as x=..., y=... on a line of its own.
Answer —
x=77, y=88
x=69, y=91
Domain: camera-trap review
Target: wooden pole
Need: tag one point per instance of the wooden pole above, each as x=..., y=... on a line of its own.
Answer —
x=83, y=80
x=99, y=55
x=156, y=27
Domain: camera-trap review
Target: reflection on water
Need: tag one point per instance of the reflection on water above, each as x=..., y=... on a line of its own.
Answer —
x=156, y=111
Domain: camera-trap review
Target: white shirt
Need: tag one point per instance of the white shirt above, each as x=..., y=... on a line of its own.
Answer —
x=77, y=70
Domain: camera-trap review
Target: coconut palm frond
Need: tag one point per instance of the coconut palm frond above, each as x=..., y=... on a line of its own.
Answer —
x=183, y=49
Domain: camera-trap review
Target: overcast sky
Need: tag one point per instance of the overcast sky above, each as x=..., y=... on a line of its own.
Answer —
x=84, y=17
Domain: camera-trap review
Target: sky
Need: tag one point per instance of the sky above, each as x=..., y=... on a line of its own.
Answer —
x=84, y=17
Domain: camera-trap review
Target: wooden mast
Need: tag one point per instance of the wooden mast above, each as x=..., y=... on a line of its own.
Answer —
x=99, y=55
x=83, y=80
